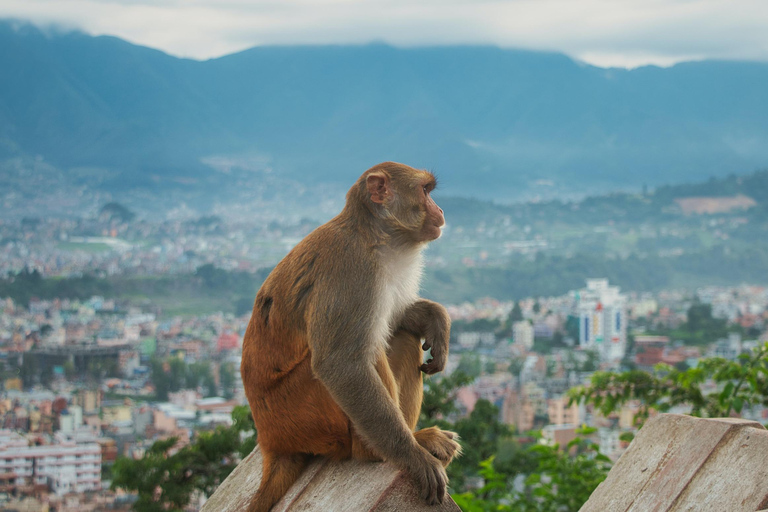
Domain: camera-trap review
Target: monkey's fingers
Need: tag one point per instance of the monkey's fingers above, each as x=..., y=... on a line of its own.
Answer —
x=430, y=368
x=434, y=364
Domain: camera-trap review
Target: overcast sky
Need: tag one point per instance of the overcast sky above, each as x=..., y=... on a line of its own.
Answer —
x=624, y=33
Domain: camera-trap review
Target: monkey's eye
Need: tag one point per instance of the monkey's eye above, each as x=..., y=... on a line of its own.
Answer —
x=426, y=189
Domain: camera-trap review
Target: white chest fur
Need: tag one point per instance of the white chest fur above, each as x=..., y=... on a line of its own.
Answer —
x=398, y=287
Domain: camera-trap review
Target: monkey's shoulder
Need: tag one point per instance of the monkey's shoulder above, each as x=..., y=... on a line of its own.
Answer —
x=324, y=257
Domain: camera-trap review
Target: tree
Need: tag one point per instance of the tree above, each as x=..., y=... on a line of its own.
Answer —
x=741, y=383
x=439, y=398
x=161, y=379
x=561, y=481
x=572, y=327
x=227, y=378
x=480, y=433
x=517, y=313
x=516, y=366
x=69, y=370
x=470, y=364
x=28, y=370
x=165, y=478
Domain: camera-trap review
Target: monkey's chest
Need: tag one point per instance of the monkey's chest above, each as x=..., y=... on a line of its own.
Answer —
x=398, y=288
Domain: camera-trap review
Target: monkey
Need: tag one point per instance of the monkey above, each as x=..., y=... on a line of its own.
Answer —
x=332, y=356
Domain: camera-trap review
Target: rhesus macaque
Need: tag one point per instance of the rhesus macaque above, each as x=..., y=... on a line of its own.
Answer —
x=332, y=357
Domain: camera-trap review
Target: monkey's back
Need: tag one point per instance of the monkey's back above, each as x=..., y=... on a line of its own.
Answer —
x=277, y=361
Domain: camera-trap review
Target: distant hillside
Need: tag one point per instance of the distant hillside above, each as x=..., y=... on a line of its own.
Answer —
x=493, y=123
x=659, y=205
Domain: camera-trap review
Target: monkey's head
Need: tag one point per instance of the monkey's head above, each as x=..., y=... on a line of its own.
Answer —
x=399, y=197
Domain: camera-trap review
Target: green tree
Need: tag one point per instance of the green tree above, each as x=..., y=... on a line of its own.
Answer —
x=561, y=481
x=227, y=378
x=69, y=370
x=161, y=379
x=470, y=364
x=517, y=313
x=165, y=479
x=738, y=384
x=28, y=370
x=516, y=366
x=480, y=433
x=439, y=402
x=572, y=327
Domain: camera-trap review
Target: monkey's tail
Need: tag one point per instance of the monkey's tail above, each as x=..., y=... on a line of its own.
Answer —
x=278, y=473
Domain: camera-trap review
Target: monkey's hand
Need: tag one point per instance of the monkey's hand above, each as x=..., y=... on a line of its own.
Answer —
x=438, y=356
x=437, y=336
x=430, y=321
x=429, y=476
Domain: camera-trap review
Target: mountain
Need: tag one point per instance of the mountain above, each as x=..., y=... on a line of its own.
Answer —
x=493, y=123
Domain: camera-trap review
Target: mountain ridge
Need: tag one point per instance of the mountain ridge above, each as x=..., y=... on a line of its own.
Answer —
x=492, y=122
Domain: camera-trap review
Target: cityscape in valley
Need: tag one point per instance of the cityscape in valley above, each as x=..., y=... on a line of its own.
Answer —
x=118, y=331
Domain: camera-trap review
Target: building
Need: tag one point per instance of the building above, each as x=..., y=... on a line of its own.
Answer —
x=228, y=341
x=522, y=332
x=560, y=413
x=68, y=466
x=602, y=319
x=559, y=435
x=470, y=340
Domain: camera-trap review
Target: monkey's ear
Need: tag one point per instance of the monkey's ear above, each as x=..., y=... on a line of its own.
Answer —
x=378, y=187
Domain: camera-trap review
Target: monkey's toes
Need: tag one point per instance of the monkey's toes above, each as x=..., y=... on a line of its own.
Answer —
x=441, y=444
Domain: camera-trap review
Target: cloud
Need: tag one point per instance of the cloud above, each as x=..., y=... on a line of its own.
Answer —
x=603, y=32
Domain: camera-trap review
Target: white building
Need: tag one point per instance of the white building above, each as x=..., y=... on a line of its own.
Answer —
x=68, y=466
x=522, y=332
x=470, y=340
x=602, y=319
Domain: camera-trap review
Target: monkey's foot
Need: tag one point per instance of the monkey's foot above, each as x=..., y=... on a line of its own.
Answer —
x=440, y=443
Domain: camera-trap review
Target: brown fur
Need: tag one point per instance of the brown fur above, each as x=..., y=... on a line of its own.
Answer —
x=317, y=379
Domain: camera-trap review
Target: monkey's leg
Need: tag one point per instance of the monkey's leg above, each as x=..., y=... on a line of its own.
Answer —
x=295, y=418
x=279, y=472
x=405, y=358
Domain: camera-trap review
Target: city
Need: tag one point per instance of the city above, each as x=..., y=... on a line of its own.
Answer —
x=88, y=381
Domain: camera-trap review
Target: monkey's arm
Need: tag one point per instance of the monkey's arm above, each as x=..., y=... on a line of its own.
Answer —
x=430, y=320
x=343, y=358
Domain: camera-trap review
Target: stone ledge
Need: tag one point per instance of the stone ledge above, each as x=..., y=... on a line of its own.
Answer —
x=349, y=486
x=679, y=463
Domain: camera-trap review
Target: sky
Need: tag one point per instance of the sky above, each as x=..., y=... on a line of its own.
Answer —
x=623, y=33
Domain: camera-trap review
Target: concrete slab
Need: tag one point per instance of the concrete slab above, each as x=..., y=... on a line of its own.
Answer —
x=349, y=486
x=681, y=463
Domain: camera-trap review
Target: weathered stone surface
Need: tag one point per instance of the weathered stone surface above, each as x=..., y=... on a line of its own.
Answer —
x=681, y=463
x=349, y=486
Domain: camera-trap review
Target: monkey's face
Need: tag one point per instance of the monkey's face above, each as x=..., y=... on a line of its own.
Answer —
x=403, y=201
x=416, y=210
x=434, y=219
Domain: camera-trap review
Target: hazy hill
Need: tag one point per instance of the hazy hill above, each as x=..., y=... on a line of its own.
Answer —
x=491, y=122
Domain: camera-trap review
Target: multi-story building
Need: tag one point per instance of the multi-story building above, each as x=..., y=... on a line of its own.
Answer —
x=68, y=466
x=602, y=319
x=560, y=413
x=522, y=332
